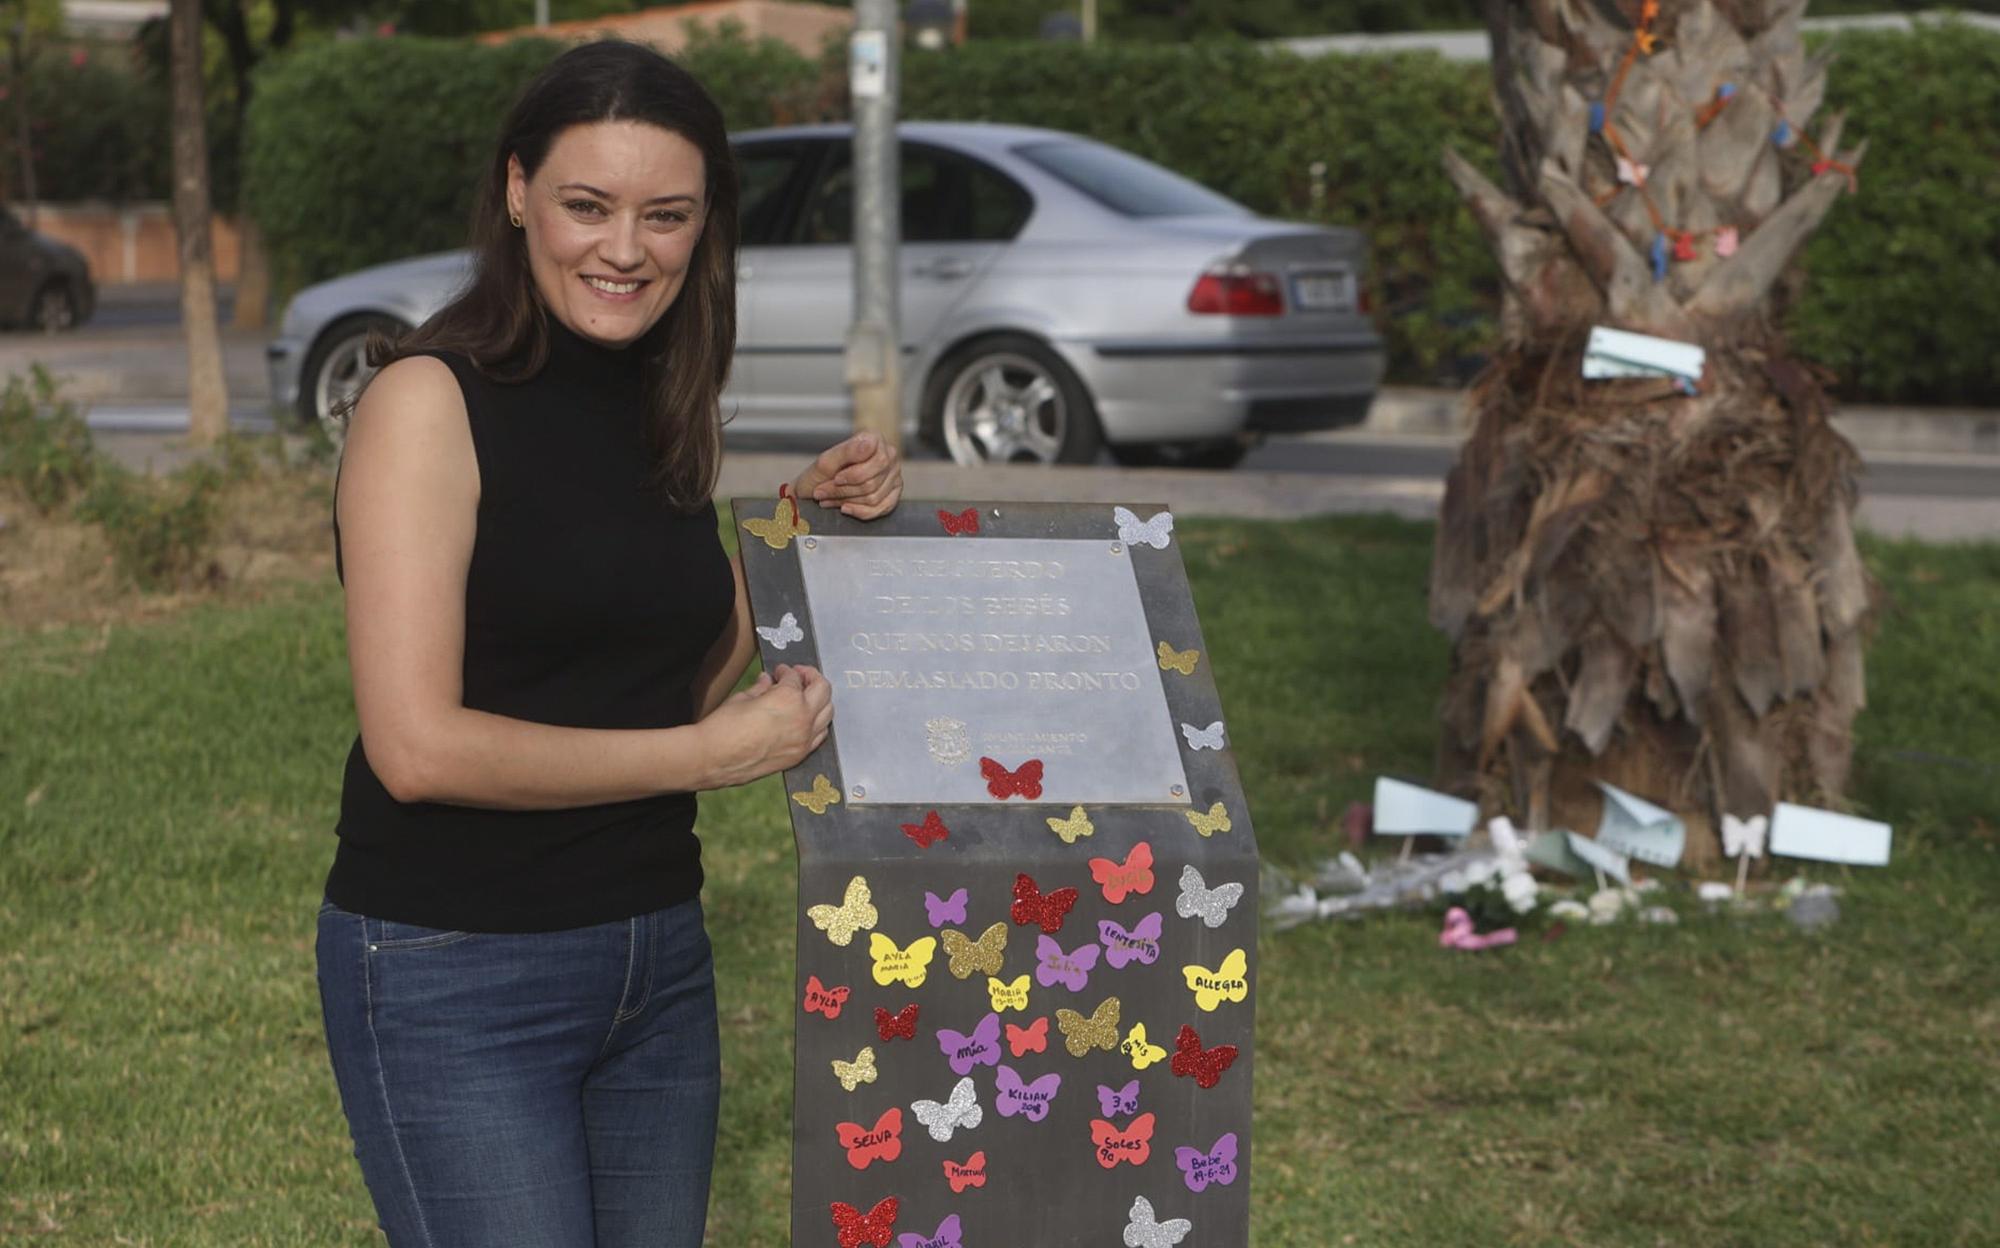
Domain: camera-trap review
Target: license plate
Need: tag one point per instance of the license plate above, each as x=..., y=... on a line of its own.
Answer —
x=1316, y=291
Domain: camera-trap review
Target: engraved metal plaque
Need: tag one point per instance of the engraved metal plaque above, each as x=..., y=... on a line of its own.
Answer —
x=943, y=653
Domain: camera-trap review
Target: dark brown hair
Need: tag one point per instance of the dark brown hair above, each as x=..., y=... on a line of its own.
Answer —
x=499, y=322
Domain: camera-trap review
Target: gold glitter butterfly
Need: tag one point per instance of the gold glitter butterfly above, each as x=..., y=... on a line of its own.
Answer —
x=1228, y=982
x=1216, y=820
x=1182, y=661
x=1136, y=1047
x=983, y=954
x=909, y=965
x=1099, y=1031
x=854, y=913
x=1074, y=828
x=1006, y=996
x=784, y=525
x=821, y=795
x=857, y=1072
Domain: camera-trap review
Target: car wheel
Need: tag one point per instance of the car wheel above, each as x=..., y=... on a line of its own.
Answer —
x=336, y=369
x=1215, y=453
x=1009, y=399
x=55, y=308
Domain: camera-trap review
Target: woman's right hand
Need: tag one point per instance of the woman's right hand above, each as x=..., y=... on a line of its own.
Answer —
x=768, y=727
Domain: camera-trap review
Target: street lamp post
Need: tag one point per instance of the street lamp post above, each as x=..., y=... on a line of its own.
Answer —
x=872, y=338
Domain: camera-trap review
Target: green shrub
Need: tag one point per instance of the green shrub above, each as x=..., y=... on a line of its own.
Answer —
x=45, y=446
x=159, y=529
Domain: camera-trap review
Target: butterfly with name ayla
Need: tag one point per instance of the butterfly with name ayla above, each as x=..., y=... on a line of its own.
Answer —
x=958, y=1112
x=783, y=633
x=855, y=913
x=892, y=963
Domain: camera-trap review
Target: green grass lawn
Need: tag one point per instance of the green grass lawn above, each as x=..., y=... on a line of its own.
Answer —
x=167, y=792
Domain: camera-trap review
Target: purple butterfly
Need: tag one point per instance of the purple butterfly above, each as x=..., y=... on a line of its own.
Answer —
x=943, y=910
x=1071, y=970
x=1140, y=944
x=1217, y=1165
x=1030, y=1100
x=948, y=1236
x=1114, y=1102
x=981, y=1048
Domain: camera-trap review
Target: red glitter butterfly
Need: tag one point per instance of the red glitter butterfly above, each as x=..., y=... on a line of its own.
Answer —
x=966, y=521
x=881, y=1142
x=1003, y=784
x=1032, y=906
x=1033, y=1038
x=874, y=1227
x=1205, y=1065
x=969, y=1173
x=1133, y=1144
x=902, y=1023
x=821, y=999
x=927, y=833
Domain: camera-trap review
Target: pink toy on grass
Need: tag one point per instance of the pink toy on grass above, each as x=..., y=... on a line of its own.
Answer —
x=1458, y=933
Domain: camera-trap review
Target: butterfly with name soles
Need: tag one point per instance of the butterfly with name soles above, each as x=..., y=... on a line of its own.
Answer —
x=1132, y=1144
x=855, y=913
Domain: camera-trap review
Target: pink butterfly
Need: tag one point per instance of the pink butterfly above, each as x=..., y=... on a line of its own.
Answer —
x=1217, y=1165
x=948, y=1236
x=981, y=1048
x=943, y=910
x=821, y=999
x=1133, y=1144
x=882, y=1142
x=968, y=1173
x=1140, y=944
x=1071, y=970
x=1120, y=880
x=1034, y=1038
x=1117, y=1102
x=1030, y=1100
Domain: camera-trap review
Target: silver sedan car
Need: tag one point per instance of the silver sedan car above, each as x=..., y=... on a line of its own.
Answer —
x=1059, y=296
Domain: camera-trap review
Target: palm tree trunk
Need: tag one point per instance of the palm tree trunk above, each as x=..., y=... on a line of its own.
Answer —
x=208, y=396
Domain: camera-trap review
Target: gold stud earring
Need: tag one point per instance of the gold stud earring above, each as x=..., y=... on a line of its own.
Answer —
x=514, y=219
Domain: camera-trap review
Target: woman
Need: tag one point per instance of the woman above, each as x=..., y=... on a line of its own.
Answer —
x=544, y=631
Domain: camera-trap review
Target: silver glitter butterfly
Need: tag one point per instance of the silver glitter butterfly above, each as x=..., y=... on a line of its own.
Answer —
x=962, y=1110
x=1197, y=898
x=787, y=632
x=1209, y=738
x=1134, y=532
x=1146, y=1231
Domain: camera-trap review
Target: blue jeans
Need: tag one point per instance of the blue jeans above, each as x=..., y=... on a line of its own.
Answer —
x=553, y=1089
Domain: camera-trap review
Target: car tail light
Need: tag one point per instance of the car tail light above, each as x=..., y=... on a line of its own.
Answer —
x=1237, y=292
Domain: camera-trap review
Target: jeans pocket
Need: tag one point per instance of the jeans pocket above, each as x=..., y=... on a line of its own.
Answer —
x=387, y=935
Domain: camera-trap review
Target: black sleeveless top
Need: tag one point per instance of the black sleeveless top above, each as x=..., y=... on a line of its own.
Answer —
x=589, y=603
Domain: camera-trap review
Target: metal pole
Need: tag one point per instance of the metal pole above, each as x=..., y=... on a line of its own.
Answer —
x=872, y=354
x=541, y=13
x=1090, y=21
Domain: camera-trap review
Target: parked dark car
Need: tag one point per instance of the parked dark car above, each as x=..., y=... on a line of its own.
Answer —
x=44, y=284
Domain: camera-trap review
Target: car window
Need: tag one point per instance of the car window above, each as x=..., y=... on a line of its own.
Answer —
x=765, y=174
x=947, y=198
x=1126, y=184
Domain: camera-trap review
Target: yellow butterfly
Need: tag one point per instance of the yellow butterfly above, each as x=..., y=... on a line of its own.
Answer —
x=983, y=954
x=857, y=1072
x=821, y=796
x=1099, y=1031
x=784, y=525
x=1006, y=996
x=1230, y=982
x=1074, y=828
x=1141, y=1053
x=853, y=914
x=1182, y=661
x=1216, y=820
x=910, y=965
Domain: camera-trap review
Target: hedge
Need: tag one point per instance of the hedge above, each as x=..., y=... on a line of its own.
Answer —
x=364, y=151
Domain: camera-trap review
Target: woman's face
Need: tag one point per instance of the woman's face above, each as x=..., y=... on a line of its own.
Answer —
x=611, y=220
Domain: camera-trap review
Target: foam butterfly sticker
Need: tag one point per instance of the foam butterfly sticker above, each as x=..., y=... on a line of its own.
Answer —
x=910, y=965
x=1209, y=738
x=1216, y=820
x=1134, y=1144
x=1140, y=943
x=1142, y=1230
x=857, y=1072
x=968, y=1173
x=783, y=633
x=902, y=1023
x=1217, y=1165
x=1142, y=1052
x=1099, y=1031
x=1204, y=1066
x=853, y=914
x=949, y=1234
x=874, y=1227
x=1024, y=781
x=821, y=999
x=1182, y=661
x=959, y=1111
x=1008, y=994
x=1074, y=828
x=881, y=1142
x=1117, y=1102
x=1228, y=982
x=784, y=525
x=1032, y=906
x=1744, y=838
x=964, y=522
x=1034, y=1038
x=1132, y=531
x=820, y=796
x=1030, y=1100
x=1197, y=898
x=1071, y=970
x=927, y=833
x=984, y=954
x=943, y=910
x=962, y=1052
x=1120, y=880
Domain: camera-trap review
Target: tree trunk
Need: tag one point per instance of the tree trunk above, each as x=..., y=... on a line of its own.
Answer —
x=1644, y=586
x=208, y=396
x=253, y=276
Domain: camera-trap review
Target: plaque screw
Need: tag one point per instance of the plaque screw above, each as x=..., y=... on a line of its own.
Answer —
x=996, y=513
x=1117, y=548
x=811, y=543
x=1177, y=791
x=859, y=791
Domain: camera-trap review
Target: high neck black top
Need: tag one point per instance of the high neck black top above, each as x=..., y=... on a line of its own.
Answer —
x=589, y=603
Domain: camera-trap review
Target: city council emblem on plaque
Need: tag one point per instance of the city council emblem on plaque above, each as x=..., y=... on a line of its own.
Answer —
x=948, y=741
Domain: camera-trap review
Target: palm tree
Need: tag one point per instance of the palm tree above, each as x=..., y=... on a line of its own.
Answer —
x=1644, y=586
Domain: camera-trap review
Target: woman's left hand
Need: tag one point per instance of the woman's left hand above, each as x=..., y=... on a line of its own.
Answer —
x=861, y=477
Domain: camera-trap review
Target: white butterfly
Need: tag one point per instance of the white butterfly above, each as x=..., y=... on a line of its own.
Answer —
x=1134, y=532
x=962, y=1110
x=787, y=632
x=1744, y=838
x=1197, y=898
x=1209, y=738
x=1146, y=1231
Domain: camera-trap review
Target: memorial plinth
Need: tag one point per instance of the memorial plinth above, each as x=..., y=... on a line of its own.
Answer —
x=1027, y=881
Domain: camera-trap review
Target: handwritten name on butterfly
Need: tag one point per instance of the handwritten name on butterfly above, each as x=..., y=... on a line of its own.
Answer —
x=963, y=1051
x=856, y=1228
x=1139, y=943
x=1132, y=1145
x=1142, y=1052
x=949, y=1234
x=867, y=1145
x=819, y=797
x=1120, y=880
x=969, y=957
x=1228, y=982
x=857, y=1072
x=968, y=1173
x=893, y=963
x=784, y=525
x=1097, y=1031
x=1012, y=1095
x=854, y=913
x=1217, y=1165
x=1118, y=1102
x=1054, y=966
x=1008, y=994
x=821, y=999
